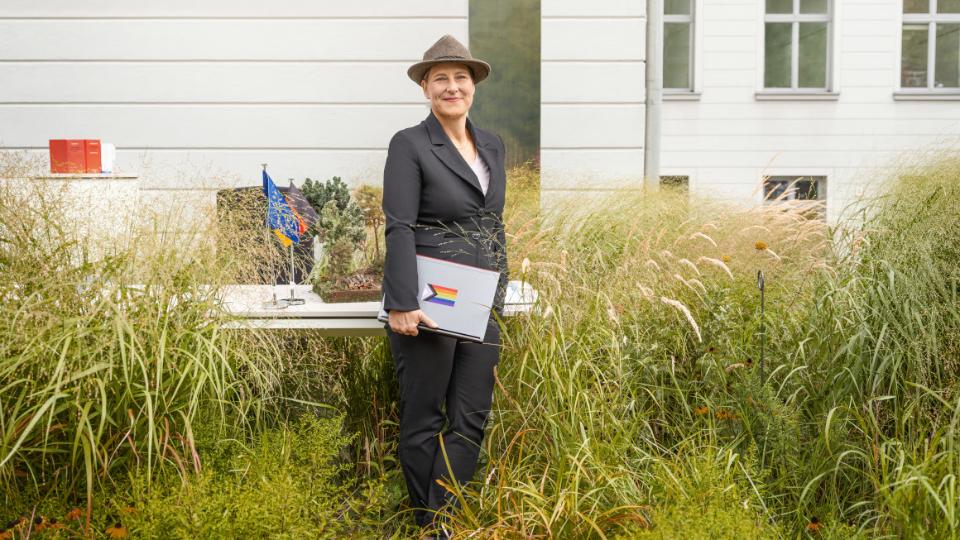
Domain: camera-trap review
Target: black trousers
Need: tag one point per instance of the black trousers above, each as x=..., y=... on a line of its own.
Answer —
x=434, y=370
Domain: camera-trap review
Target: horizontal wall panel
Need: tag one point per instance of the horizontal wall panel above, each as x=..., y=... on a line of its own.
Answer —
x=212, y=82
x=586, y=168
x=792, y=157
x=733, y=144
x=814, y=111
x=596, y=8
x=219, y=169
x=233, y=8
x=728, y=77
x=204, y=126
x=591, y=82
x=743, y=43
x=592, y=39
x=780, y=128
x=205, y=39
x=591, y=126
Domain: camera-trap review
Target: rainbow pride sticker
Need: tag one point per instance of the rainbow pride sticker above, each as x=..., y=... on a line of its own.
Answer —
x=439, y=294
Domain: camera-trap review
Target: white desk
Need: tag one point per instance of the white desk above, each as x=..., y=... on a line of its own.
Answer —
x=334, y=319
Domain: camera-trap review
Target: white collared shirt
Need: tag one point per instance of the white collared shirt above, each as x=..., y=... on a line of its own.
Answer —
x=482, y=171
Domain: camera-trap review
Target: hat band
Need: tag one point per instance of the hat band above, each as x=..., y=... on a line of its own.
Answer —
x=449, y=56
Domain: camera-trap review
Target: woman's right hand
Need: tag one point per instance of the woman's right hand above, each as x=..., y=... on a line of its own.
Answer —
x=405, y=322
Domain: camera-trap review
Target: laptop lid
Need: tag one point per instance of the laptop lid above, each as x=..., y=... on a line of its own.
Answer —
x=458, y=297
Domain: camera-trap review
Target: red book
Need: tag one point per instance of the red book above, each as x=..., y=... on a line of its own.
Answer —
x=67, y=156
x=91, y=155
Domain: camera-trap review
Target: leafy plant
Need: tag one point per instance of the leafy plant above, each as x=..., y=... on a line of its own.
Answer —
x=370, y=200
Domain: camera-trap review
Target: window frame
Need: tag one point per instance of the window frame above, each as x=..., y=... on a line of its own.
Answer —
x=822, y=178
x=930, y=18
x=696, y=53
x=831, y=89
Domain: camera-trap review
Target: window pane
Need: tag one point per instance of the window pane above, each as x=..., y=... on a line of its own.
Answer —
x=680, y=183
x=776, y=65
x=676, y=7
x=676, y=55
x=916, y=6
x=913, y=62
x=948, y=6
x=813, y=6
x=947, y=57
x=812, y=71
x=779, y=6
x=792, y=187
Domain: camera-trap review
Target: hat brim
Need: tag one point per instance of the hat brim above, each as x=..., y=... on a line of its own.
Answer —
x=481, y=69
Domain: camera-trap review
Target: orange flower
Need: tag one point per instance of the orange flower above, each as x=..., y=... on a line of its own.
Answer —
x=54, y=524
x=814, y=525
x=760, y=245
x=724, y=414
x=75, y=514
x=701, y=410
x=725, y=258
x=6, y=535
x=117, y=531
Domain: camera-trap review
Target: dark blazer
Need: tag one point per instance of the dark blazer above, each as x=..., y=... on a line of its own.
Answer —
x=434, y=206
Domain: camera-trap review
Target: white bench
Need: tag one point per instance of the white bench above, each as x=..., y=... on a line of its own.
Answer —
x=334, y=319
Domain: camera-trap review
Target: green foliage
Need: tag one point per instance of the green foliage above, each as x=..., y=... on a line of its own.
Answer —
x=341, y=221
x=507, y=35
x=702, y=499
x=291, y=483
x=630, y=405
x=108, y=356
x=341, y=228
x=370, y=200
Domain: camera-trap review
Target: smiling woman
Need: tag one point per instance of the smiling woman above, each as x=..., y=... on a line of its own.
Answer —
x=444, y=187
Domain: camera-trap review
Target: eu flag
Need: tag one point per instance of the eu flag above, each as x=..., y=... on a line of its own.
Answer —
x=281, y=219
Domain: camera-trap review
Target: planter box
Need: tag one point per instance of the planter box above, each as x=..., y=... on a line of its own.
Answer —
x=352, y=295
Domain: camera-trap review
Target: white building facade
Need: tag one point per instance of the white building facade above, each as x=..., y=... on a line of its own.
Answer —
x=196, y=95
x=825, y=92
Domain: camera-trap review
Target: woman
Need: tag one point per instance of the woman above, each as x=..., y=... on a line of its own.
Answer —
x=443, y=192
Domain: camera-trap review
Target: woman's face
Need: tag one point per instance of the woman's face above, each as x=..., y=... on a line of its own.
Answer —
x=449, y=87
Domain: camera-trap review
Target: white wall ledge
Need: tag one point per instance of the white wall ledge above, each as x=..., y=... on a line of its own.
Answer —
x=681, y=96
x=771, y=95
x=927, y=96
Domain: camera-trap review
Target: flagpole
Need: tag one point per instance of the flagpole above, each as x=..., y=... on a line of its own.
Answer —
x=275, y=303
x=293, y=300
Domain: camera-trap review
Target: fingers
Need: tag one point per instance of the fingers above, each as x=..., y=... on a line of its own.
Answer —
x=427, y=320
x=405, y=323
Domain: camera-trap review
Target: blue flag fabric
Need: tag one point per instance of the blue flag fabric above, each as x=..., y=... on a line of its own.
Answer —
x=281, y=219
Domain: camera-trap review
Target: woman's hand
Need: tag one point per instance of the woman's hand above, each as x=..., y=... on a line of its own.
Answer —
x=405, y=322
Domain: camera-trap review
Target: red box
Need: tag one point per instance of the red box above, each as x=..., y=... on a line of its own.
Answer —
x=67, y=156
x=91, y=155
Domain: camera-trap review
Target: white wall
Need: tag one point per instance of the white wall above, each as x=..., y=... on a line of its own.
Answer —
x=199, y=94
x=592, y=94
x=728, y=139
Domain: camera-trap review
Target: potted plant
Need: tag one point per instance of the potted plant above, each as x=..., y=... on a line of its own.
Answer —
x=338, y=276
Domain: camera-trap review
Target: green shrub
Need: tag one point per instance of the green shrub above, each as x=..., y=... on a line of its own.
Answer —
x=290, y=483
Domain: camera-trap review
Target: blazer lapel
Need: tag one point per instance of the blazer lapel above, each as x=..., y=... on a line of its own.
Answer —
x=449, y=154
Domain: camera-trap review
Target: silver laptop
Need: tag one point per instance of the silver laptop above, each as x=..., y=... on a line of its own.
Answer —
x=458, y=297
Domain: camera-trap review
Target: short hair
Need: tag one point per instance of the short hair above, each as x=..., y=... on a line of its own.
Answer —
x=473, y=75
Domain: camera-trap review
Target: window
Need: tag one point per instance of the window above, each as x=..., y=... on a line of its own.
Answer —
x=807, y=192
x=797, y=44
x=679, y=183
x=930, y=45
x=678, y=44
